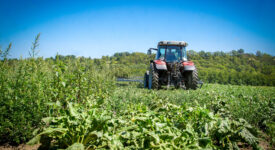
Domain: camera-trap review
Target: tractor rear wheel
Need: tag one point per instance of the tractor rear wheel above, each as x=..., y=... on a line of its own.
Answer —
x=192, y=80
x=153, y=78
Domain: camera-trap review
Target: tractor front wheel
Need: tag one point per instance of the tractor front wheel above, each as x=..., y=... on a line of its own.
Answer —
x=153, y=78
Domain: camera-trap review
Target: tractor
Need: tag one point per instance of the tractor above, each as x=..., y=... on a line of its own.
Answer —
x=171, y=67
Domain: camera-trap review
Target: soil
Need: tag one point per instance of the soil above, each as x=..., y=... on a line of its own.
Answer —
x=20, y=147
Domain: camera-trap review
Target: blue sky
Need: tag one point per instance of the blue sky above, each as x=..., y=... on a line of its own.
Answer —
x=96, y=28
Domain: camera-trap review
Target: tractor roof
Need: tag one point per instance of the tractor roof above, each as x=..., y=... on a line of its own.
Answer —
x=175, y=43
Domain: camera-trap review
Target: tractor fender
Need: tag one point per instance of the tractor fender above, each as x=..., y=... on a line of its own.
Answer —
x=160, y=65
x=188, y=66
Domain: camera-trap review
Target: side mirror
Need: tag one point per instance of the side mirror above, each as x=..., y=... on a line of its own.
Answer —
x=149, y=52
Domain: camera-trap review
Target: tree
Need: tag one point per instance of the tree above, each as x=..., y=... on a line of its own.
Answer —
x=258, y=53
x=241, y=51
x=234, y=53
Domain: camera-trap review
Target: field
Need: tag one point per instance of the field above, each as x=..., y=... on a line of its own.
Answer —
x=248, y=102
x=77, y=104
x=235, y=106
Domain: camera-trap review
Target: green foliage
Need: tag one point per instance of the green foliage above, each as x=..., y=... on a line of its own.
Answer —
x=235, y=67
x=74, y=124
x=80, y=104
x=270, y=129
x=254, y=104
x=73, y=102
x=76, y=146
x=27, y=85
x=157, y=125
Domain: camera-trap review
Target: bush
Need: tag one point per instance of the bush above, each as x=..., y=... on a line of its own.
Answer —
x=26, y=86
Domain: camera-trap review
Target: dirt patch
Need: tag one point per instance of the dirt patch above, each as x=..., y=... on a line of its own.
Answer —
x=265, y=145
x=262, y=143
x=20, y=147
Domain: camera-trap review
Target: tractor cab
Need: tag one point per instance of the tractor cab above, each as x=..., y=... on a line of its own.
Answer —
x=170, y=51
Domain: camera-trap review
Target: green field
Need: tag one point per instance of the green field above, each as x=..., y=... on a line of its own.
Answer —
x=228, y=103
x=76, y=103
x=251, y=103
x=214, y=117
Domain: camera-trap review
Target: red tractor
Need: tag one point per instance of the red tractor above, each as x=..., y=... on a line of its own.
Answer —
x=171, y=67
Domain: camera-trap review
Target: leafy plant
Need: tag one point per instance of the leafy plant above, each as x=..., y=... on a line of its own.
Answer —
x=160, y=125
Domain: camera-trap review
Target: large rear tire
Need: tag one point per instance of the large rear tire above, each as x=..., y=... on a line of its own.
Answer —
x=192, y=80
x=153, y=78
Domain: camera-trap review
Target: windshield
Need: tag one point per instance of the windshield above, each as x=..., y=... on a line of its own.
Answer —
x=161, y=54
x=171, y=53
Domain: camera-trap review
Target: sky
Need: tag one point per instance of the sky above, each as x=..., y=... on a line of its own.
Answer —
x=94, y=28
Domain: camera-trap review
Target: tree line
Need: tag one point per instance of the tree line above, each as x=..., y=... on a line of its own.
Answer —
x=235, y=67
